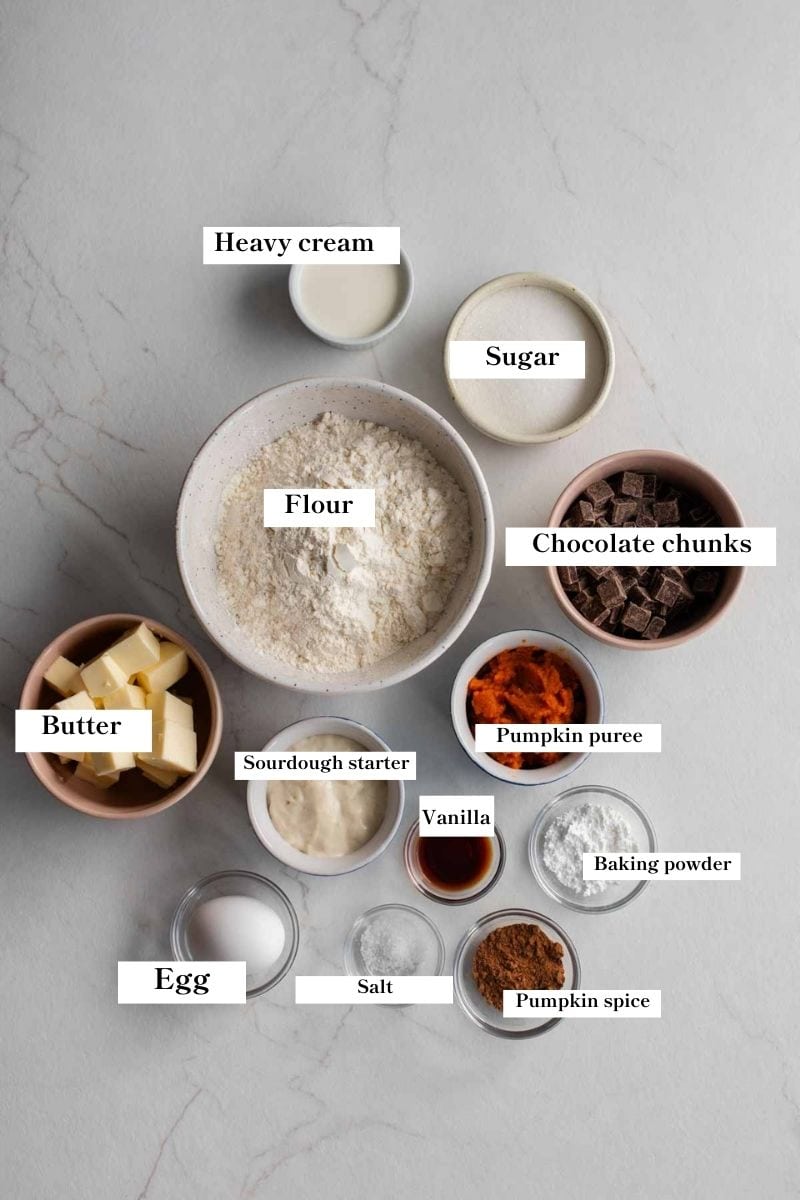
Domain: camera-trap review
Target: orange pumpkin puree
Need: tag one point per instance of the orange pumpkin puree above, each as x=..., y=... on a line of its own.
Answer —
x=525, y=686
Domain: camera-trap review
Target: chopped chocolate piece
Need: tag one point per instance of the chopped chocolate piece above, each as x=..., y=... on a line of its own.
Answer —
x=602, y=521
x=705, y=582
x=595, y=611
x=667, y=592
x=569, y=577
x=600, y=493
x=598, y=572
x=622, y=510
x=666, y=512
x=628, y=582
x=610, y=589
x=567, y=524
x=645, y=521
x=631, y=484
x=699, y=513
x=635, y=617
x=640, y=595
x=582, y=512
x=649, y=487
x=654, y=628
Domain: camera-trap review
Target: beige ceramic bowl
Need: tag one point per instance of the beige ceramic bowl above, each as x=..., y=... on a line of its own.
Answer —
x=240, y=437
x=681, y=472
x=133, y=796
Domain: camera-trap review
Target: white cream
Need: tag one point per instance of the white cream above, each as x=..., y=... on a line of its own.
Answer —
x=327, y=818
x=351, y=301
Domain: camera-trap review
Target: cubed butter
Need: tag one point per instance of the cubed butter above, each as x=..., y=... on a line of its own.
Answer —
x=78, y=756
x=136, y=651
x=106, y=762
x=128, y=696
x=79, y=700
x=103, y=676
x=63, y=676
x=83, y=771
x=174, y=748
x=166, y=707
x=172, y=665
x=164, y=779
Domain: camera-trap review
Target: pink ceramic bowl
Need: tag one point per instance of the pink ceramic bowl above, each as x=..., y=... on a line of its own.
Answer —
x=682, y=472
x=133, y=796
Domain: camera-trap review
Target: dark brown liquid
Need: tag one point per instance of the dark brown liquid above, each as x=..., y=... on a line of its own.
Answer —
x=454, y=863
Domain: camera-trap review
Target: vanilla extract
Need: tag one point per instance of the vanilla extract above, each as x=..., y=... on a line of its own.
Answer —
x=455, y=864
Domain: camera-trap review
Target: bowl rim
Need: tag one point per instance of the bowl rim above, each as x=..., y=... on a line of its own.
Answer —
x=234, y=873
x=578, y=297
x=455, y=899
x=357, y=343
x=548, y=812
x=614, y=463
x=394, y=906
x=457, y=703
x=260, y=819
x=532, y=917
x=37, y=758
x=328, y=685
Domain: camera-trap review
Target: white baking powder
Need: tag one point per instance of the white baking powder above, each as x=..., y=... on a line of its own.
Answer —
x=588, y=829
x=333, y=600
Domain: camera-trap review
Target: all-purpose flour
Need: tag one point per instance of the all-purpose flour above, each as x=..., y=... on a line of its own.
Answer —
x=332, y=600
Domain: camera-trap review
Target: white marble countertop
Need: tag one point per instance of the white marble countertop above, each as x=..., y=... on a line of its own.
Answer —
x=650, y=155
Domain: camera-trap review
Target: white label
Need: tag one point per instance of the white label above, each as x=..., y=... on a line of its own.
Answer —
x=595, y=1002
x=43, y=729
x=456, y=816
x=701, y=865
x=315, y=508
x=181, y=983
x=569, y=739
x=373, y=989
x=543, y=546
x=516, y=360
x=327, y=764
x=313, y=244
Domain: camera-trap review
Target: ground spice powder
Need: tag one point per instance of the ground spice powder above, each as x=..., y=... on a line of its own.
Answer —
x=517, y=957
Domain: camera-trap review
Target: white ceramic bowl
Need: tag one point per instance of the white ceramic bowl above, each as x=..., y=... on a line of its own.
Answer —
x=268, y=835
x=352, y=343
x=595, y=704
x=235, y=442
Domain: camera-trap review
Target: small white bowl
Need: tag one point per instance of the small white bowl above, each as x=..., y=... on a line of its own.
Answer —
x=239, y=438
x=593, y=691
x=354, y=343
x=289, y=855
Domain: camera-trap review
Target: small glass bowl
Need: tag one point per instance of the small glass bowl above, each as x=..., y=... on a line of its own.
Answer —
x=617, y=894
x=239, y=883
x=433, y=960
x=443, y=895
x=471, y=1000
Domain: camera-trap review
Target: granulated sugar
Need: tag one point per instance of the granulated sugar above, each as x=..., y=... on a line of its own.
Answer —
x=588, y=829
x=333, y=600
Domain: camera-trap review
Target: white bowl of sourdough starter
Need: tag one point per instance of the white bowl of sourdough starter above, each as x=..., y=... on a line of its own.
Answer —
x=235, y=443
x=526, y=307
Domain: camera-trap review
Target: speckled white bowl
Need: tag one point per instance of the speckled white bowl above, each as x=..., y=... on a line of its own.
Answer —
x=265, y=418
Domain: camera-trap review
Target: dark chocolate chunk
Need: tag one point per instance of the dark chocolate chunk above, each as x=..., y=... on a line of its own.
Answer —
x=631, y=484
x=666, y=512
x=705, y=583
x=645, y=521
x=667, y=592
x=599, y=493
x=622, y=510
x=654, y=628
x=636, y=617
x=582, y=512
x=649, y=487
x=568, y=577
x=598, y=572
x=610, y=589
x=595, y=611
x=640, y=595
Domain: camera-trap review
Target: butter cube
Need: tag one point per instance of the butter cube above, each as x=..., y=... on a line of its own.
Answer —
x=166, y=707
x=108, y=762
x=172, y=665
x=174, y=748
x=78, y=756
x=164, y=779
x=127, y=696
x=83, y=771
x=79, y=700
x=63, y=676
x=136, y=651
x=103, y=676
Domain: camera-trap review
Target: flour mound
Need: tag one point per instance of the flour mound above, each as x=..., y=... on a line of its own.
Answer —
x=333, y=600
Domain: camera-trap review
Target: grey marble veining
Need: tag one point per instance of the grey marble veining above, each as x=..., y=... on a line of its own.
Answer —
x=649, y=154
